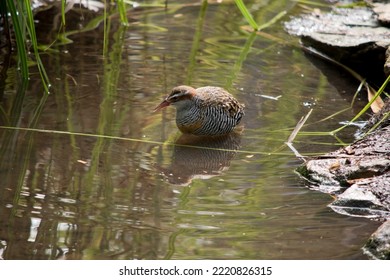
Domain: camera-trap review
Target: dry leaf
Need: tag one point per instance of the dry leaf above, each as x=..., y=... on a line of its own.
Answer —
x=334, y=166
x=378, y=103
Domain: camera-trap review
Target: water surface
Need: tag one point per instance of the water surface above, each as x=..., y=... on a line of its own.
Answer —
x=100, y=176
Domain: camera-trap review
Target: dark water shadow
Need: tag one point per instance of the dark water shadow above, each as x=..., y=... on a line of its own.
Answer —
x=345, y=84
x=196, y=157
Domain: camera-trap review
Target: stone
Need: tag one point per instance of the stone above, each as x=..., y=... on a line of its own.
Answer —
x=353, y=37
x=378, y=245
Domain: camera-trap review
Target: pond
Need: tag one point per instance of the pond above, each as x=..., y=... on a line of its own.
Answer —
x=91, y=172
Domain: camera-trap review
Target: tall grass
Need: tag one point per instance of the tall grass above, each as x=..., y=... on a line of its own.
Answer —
x=121, y=6
x=24, y=30
x=23, y=27
x=247, y=15
x=19, y=28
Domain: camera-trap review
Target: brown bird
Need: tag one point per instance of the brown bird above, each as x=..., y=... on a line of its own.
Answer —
x=205, y=111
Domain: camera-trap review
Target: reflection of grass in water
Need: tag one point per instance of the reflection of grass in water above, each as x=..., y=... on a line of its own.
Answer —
x=27, y=178
x=12, y=142
x=196, y=41
x=22, y=18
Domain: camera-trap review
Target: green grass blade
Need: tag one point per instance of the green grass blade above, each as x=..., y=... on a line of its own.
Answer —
x=34, y=41
x=106, y=29
x=196, y=41
x=272, y=21
x=362, y=111
x=244, y=11
x=63, y=9
x=240, y=61
x=121, y=6
x=384, y=118
x=20, y=39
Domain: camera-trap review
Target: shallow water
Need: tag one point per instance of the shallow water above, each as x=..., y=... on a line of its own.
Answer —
x=100, y=176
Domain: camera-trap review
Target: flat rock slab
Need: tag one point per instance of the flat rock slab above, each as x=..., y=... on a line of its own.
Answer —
x=365, y=198
x=382, y=10
x=341, y=27
x=353, y=37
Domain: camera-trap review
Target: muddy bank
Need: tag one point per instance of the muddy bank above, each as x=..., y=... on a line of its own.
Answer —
x=357, y=175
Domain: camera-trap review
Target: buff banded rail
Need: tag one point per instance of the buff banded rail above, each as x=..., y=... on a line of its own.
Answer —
x=206, y=111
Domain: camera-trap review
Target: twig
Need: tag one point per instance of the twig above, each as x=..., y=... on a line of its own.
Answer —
x=294, y=134
x=298, y=127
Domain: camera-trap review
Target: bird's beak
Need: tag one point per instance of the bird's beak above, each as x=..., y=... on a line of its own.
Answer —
x=163, y=104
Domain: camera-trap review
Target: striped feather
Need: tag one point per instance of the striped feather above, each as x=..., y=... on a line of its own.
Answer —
x=205, y=111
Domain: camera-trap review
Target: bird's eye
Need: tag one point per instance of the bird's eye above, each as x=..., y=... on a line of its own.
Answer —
x=174, y=98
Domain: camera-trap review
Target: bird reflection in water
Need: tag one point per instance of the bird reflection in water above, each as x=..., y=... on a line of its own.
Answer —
x=200, y=157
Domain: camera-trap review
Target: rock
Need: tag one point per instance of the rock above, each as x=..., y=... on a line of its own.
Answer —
x=378, y=246
x=363, y=159
x=382, y=10
x=359, y=176
x=340, y=27
x=365, y=198
x=353, y=37
x=380, y=119
x=387, y=62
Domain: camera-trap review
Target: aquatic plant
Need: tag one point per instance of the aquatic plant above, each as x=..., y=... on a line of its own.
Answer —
x=21, y=17
x=24, y=29
x=247, y=15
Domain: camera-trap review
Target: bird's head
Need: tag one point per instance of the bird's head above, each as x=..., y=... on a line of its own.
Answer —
x=179, y=96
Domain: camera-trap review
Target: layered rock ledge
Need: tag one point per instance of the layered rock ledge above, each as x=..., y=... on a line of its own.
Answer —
x=357, y=175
